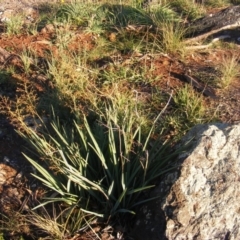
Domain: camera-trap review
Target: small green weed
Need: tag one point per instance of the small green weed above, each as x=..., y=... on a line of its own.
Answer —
x=14, y=25
x=190, y=104
x=187, y=8
x=189, y=111
x=117, y=15
x=71, y=77
x=217, y=3
x=27, y=61
x=76, y=13
x=64, y=35
x=172, y=37
x=162, y=14
x=229, y=69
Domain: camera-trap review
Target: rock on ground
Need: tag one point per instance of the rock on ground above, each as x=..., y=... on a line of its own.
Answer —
x=29, y=9
x=200, y=198
x=203, y=202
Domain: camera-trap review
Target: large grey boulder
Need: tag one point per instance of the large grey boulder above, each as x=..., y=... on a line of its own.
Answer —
x=200, y=199
x=204, y=202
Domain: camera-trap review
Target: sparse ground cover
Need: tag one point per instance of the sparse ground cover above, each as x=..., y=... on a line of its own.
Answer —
x=101, y=92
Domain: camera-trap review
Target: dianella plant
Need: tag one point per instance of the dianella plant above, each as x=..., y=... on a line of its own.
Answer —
x=104, y=166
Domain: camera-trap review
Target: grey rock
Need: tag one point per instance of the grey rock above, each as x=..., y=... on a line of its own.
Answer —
x=29, y=14
x=203, y=202
x=199, y=198
x=6, y=15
